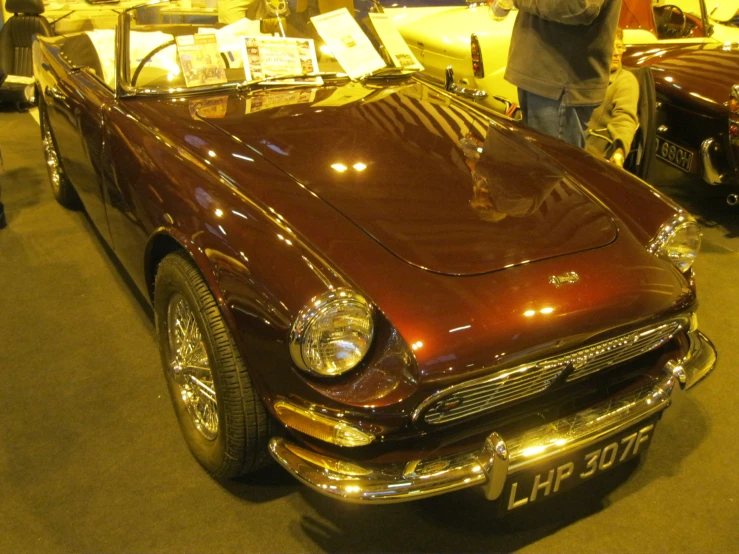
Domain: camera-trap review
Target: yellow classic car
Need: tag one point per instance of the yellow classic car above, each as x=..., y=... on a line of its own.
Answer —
x=462, y=35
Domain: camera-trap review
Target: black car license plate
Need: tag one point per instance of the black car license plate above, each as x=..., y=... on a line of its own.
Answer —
x=674, y=155
x=565, y=472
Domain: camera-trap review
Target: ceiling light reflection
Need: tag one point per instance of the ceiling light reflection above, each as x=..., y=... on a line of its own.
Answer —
x=341, y=168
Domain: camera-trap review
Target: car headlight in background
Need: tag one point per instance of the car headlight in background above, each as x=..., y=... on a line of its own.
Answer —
x=678, y=240
x=332, y=334
x=29, y=94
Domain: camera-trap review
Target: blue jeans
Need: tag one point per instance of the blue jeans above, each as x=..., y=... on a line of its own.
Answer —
x=567, y=123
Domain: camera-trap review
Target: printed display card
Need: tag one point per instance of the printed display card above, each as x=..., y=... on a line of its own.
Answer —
x=393, y=41
x=348, y=43
x=200, y=60
x=231, y=39
x=266, y=57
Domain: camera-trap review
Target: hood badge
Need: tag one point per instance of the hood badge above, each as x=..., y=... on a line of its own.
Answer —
x=559, y=280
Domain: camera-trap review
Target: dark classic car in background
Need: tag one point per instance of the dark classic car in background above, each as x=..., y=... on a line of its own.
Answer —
x=690, y=45
x=393, y=292
x=697, y=108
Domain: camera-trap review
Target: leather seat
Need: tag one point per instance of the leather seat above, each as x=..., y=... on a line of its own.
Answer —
x=16, y=36
x=643, y=148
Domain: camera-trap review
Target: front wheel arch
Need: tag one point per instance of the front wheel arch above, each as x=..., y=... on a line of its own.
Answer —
x=158, y=247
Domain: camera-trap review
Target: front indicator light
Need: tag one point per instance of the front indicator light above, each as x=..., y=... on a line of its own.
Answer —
x=679, y=241
x=321, y=427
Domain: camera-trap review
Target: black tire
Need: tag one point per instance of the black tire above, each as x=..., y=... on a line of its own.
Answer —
x=61, y=188
x=238, y=445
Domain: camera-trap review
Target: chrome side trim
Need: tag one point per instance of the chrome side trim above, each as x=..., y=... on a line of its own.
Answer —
x=711, y=175
x=491, y=391
x=497, y=458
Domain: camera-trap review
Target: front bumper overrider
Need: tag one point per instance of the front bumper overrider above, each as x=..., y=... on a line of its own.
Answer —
x=499, y=457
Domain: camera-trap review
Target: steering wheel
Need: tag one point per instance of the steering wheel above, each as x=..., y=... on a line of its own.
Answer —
x=146, y=59
x=666, y=28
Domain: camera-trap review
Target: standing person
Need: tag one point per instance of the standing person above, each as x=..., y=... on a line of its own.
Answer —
x=559, y=58
x=613, y=124
x=230, y=11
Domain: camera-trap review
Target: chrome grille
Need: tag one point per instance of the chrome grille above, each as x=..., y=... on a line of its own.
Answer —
x=483, y=394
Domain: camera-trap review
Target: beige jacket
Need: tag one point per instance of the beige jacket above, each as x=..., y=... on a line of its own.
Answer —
x=614, y=122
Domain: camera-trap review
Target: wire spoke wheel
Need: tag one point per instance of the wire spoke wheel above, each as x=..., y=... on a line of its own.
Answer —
x=52, y=161
x=190, y=367
x=221, y=416
x=60, y=185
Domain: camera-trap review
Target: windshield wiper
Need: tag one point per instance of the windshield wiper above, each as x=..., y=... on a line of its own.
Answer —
x=390, y=73
x=256, y=82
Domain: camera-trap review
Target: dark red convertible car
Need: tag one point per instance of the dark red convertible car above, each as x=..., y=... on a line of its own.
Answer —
x=392, y=292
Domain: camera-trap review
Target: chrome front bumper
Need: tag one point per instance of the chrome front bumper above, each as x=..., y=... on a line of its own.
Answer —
x=498, y=457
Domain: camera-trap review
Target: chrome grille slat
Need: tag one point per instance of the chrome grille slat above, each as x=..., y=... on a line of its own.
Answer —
x=606, y=360
x=479, y=403
x=645, y=343
x=507, y=394
x=482, y=391
x=521, y=382
x=511, y=391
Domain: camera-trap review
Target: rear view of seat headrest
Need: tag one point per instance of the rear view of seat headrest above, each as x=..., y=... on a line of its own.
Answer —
x=34, y=7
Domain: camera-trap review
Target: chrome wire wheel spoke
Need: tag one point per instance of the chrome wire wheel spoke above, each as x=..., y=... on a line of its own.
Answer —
x=190, y=367
x=52, y=161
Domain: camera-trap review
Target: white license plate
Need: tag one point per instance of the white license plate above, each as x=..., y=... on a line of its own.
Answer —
x=533, y=486
x=674, y=155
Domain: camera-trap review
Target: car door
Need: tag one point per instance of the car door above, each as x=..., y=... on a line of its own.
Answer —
x=130, y=191
x=75, y=105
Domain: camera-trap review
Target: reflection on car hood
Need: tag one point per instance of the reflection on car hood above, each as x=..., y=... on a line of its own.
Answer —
x=691, y=75
x=439, y=186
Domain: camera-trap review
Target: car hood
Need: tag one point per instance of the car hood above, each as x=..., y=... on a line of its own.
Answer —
x=681, y=74
x=439, y=185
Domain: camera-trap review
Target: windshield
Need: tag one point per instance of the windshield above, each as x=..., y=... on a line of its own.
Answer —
x=176, y=46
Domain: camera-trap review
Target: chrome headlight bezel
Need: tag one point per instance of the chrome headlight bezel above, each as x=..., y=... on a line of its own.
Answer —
x=669, y=237
x=331, y=304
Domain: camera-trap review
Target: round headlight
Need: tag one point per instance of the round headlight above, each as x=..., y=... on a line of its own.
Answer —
x=679, y=241
x=332, y=334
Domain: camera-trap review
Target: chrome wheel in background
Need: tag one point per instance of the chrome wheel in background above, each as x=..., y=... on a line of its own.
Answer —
x=52, y=160
x=60, y=185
